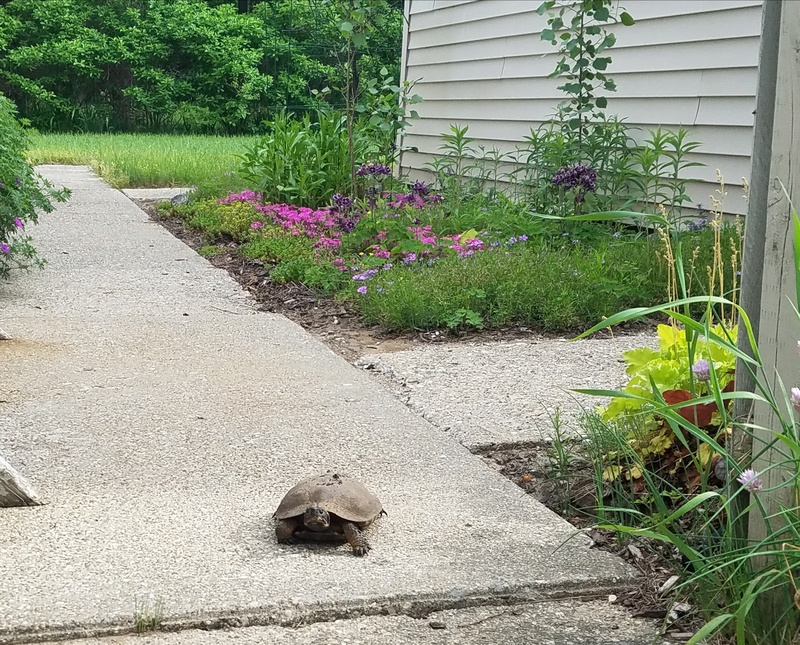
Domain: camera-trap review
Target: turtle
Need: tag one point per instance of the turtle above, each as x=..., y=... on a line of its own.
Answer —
x=328, y=507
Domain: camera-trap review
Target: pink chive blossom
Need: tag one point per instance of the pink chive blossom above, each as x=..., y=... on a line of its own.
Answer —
x=381, y=236
x=5, y=248
x=18, y=223
x=750, y=480
x=794, y=397
x=702, y=370
x=256, y=224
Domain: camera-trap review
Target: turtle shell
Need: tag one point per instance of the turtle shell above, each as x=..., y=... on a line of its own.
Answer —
x=334, y=493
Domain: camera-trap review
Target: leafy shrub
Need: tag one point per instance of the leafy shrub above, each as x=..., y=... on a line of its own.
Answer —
x=22, y=192
x=678, y=372
x=218, y=220
x=277, y=245
x=301, y=162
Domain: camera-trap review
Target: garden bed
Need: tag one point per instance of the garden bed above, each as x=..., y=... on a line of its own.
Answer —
x=336, y=323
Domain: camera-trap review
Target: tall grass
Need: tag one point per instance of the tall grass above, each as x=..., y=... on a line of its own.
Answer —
x=144, y=160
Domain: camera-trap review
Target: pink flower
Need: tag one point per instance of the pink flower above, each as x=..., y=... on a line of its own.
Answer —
x=362, y=289
x=750, y=480
x=256, y=224
x=5, y=248
x=795, y=398
x=18, y=223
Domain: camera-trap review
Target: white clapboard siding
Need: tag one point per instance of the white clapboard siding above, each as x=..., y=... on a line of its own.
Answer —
x=685, y=63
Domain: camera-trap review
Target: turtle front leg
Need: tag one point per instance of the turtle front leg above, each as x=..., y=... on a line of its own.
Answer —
x=284, y=529
x=356, y=538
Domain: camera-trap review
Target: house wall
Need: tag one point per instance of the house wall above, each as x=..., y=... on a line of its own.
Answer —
x=690, y=63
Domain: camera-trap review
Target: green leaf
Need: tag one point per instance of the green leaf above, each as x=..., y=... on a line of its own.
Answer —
x=346, y=26
x=601, y=14
x=626, y=19
x=601, y=63
x=601, y=102
x=548, y=35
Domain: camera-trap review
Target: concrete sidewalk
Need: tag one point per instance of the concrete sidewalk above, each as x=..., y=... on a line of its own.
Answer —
x=162, y=418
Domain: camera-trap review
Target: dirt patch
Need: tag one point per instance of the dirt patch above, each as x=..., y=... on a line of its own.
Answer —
x=572, y=497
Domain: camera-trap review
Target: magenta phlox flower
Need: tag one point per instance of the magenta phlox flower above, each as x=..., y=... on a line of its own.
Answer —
x=750, y=480
x=5, y=248
x=245, y=196
x=382, y=253
x=423, y=234
x=18, y=223
x=256, y=225
x=381, y=236
x=362, y=289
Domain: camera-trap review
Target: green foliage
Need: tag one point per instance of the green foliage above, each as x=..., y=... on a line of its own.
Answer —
x=653, y=372
x=23, y=193
x=299, y=161
x=744, y=585
x=384, y=112
x=572, y=287
x=219, y=221
x=276, y=245
x=744, y=588
x=579, y=31
x=178, y=66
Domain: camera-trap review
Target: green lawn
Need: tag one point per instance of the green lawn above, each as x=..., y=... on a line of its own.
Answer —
x=143, y=160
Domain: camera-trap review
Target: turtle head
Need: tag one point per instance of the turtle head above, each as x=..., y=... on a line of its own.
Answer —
x=316, y=519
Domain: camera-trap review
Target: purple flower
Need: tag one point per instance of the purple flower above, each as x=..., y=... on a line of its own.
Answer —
x=374, y=170
x=512, y=240
x=342, y=203
x=617, y=234
x=18, y=223
x=579, y=176
x=5, y=248
x=348, y=224
x=523, y=238
x=795, y=398
x=420, y=188
x=411, y=257
x=435, y=199
x=2, y=185
x=750, y=480
x=362, y=289
x=17, y=182
x=702, y=370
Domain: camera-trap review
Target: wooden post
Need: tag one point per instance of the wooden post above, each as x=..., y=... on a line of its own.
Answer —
x=779, y=327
